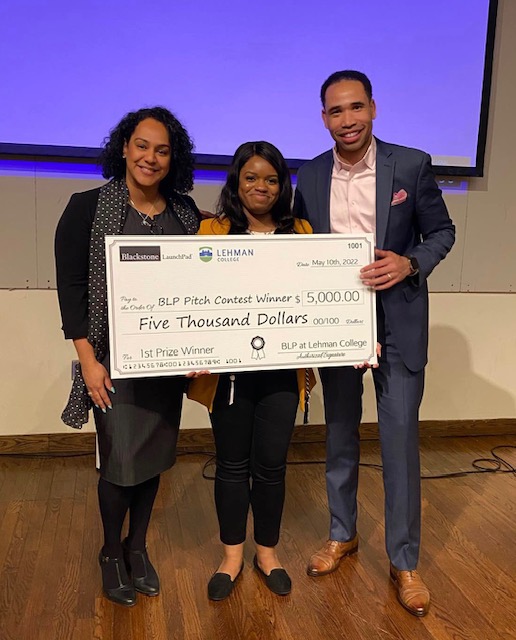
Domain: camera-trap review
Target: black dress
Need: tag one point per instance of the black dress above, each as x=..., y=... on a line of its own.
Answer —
x=137, y=438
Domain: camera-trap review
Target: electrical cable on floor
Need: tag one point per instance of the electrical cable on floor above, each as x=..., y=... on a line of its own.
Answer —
x=496, y=464
x=499, y=465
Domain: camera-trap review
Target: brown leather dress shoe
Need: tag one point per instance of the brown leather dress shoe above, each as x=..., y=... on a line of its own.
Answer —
x=328, y=558
x=412, y=591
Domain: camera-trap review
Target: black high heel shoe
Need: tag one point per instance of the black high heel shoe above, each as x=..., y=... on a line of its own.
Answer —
x=144, y=576
x=114, y=572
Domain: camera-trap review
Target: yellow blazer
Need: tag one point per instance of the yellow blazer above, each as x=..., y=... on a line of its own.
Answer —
x=203, y=389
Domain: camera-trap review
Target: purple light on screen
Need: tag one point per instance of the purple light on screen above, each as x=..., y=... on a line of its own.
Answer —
x=73, y=69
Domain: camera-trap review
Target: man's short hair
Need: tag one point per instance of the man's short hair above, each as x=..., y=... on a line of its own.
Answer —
x=348, y=74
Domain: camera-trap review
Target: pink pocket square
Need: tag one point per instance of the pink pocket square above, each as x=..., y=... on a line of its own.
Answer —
x=398, y=197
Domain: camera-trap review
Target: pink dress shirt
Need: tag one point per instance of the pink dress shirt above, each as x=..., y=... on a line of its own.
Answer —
x=353, y=194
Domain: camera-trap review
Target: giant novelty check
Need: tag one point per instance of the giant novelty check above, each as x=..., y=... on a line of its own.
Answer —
x=236, y=303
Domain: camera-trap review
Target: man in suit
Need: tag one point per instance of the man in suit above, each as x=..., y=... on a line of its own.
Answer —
x=366, y=185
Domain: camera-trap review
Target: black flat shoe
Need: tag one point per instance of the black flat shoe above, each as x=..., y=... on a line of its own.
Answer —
x=221, y=585
x=143, y=574
x=278, y=580
x=115, y=582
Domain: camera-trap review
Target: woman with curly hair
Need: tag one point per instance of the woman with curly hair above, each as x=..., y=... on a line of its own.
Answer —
x=148, y=157
x=252, y=413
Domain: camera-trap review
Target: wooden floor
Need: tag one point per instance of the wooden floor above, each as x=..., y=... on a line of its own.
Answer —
x=50, y=537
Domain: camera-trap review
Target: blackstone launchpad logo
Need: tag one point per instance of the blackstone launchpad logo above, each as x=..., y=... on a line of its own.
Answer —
x=140, y=254
x=205, y=254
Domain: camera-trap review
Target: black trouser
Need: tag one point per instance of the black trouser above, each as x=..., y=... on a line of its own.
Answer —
x=252, y=436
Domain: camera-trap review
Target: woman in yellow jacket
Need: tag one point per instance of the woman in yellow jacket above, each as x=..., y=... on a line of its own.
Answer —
x=252, y=413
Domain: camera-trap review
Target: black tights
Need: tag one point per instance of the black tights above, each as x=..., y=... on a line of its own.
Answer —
x=114, y=502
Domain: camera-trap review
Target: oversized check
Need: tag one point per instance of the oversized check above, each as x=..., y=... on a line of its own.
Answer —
x=236, y=303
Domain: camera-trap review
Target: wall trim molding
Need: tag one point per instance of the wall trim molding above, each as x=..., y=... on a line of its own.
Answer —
x=202, y=439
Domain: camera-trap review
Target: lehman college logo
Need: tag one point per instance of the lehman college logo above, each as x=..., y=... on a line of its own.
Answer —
x=205, y=254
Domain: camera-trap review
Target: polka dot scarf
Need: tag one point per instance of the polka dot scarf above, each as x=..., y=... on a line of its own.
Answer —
x=109, y=219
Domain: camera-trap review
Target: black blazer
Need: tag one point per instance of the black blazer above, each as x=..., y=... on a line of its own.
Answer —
x=72, y=249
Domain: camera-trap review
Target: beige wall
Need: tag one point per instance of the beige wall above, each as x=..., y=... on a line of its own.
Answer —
x=470, y=373
x=473, y=340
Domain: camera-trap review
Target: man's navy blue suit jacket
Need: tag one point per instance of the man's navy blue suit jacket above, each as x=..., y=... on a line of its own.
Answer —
x=419, y=226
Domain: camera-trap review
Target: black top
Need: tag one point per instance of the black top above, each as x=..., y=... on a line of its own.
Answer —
x=164, y=223
x=72, y=247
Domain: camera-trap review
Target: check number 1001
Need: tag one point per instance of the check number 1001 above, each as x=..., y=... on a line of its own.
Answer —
x=340, y=296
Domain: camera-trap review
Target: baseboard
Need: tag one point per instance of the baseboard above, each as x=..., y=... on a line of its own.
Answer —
x=202, y=439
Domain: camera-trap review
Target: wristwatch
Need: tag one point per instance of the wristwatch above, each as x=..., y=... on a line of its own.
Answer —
x=413, y=264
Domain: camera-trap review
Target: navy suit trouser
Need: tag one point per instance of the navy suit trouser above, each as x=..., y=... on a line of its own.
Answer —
x=398, y=395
